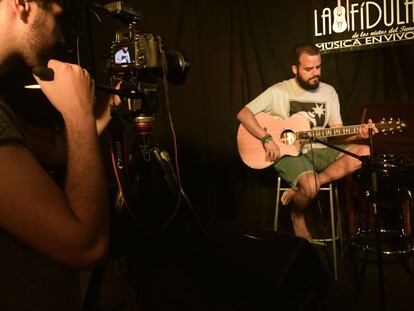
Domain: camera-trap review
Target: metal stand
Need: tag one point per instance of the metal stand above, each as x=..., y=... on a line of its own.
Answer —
x=369, y=163
x=374, y=191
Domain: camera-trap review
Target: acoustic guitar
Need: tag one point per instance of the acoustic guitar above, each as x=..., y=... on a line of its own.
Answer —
x=290, y=133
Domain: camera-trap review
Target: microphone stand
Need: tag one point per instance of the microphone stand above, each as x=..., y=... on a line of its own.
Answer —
x=369, y=162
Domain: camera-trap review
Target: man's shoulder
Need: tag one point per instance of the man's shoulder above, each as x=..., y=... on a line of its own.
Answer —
x=284, y=85
x=5, y=110
x=9, y=130
x=326, y=87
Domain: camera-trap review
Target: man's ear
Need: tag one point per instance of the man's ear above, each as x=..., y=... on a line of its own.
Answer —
x=295, y=69
x=22, y=9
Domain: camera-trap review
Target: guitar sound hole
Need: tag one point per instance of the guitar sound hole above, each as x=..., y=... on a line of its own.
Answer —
x=288, y=137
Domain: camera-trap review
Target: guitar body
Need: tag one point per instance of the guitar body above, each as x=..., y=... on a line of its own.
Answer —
x=251, y=149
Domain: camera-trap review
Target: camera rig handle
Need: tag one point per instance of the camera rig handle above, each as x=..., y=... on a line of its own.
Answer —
x=120, y=11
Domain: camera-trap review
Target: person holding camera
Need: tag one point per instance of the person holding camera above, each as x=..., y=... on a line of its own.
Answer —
x=48, y=232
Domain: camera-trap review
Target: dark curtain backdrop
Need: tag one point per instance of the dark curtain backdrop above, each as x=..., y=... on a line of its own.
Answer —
x=237, y=48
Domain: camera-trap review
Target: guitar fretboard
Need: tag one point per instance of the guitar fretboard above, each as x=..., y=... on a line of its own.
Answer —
x=329, y=132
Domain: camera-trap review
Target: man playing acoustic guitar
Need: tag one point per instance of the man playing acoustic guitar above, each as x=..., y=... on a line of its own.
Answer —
x=305, y=97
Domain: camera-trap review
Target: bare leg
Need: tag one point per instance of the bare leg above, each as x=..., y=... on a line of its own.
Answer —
x=307, y=190
x=299, y=226
x=287, y=196
x=344, y=165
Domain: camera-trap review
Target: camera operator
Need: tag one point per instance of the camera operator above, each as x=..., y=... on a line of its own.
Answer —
x=47, y=232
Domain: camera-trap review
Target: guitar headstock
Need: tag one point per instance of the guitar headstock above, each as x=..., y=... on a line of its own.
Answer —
x=391, y=125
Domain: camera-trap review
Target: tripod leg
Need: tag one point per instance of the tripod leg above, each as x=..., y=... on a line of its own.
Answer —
x=173, y=182
x=163, y=160
x=91, y=299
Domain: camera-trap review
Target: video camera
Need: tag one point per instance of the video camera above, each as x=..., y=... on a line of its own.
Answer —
x=140, y=61
x=132, y=51
x=142, y=55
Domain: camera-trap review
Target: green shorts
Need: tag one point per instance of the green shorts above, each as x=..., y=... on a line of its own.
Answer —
x=292, y=168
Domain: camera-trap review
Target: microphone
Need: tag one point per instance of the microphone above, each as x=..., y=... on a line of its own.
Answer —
x=44, y=73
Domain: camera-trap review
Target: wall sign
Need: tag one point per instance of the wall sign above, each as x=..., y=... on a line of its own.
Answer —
x=353, y=24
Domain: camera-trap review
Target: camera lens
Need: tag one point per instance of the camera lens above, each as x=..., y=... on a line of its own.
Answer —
x=177, y=67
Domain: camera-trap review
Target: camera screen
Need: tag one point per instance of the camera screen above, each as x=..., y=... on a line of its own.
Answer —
x=124, y=54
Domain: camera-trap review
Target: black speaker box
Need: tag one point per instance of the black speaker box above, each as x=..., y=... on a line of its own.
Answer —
x=249, y=268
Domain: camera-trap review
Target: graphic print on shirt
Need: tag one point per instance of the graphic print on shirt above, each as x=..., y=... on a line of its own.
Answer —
x=316, y=111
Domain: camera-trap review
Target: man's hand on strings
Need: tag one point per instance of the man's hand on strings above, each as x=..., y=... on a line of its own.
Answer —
x=272, y=151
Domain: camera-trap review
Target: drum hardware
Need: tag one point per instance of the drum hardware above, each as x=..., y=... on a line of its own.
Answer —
x=393, y=175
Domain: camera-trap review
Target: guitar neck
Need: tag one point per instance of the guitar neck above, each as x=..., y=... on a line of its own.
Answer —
x=339, y=6
x=329, y=132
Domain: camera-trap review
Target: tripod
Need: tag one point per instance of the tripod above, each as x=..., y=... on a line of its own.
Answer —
x=130, y=170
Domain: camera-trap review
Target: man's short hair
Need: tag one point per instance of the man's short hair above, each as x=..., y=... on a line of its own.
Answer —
x=303, y=48
x=44, y=4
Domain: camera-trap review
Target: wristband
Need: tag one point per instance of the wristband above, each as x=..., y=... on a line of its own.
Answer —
x=266, y=138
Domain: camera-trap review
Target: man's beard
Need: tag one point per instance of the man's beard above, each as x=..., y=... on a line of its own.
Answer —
x=39, y=48
x=305, y=84
x=40, y=53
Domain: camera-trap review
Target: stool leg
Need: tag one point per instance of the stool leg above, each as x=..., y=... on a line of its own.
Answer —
x=276, y=220
x=333, y=234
